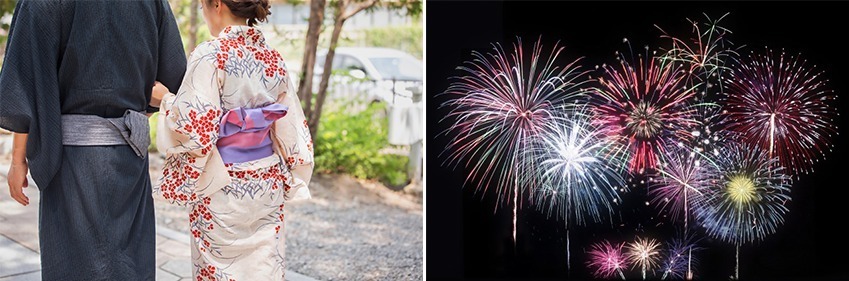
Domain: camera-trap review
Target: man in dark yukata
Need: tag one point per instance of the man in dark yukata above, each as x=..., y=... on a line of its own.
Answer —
x=75, y=88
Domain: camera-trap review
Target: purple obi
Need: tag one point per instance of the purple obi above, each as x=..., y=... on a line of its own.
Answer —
x=243, y=134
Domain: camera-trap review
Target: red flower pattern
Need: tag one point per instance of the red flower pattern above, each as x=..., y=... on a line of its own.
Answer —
x=272, y=174
x=210, y=273
x=238, y=45
x=178, y=180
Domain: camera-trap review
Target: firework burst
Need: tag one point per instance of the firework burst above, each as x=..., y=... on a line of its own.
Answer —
x=782, y=105
x=644, y=105
x=678, y=260
x=643, y=253
x=684, y=176
x=500, y=104
x=579, y=173
x=607, y=259
x=706, y=53
x=748, y=201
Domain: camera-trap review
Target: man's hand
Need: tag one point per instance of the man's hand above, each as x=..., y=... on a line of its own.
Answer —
x=159, y=91
x=17, y=179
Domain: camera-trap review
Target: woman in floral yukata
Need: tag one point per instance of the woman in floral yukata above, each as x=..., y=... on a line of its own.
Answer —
x=237, y=146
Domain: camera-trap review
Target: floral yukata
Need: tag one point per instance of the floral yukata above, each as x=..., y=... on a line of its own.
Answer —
x=235, y=84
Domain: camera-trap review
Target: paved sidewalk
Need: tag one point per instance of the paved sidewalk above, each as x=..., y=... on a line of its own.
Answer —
x=19, y=250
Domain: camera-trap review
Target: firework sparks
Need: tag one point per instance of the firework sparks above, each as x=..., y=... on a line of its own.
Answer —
x=706, y=52
x=644, y=253
x=678, y=260
x=782, y=105
x=644, y=105
x=684, y=176
x=607, y=259
x=748, y=201
x=578, y=170
x=500, y=105
x=706, y=56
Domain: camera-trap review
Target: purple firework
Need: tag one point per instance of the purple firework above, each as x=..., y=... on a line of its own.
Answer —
x=684, y=177
x=678, y=260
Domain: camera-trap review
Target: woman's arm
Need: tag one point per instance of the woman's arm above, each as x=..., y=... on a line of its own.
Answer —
x=17, y=176
x=187, y=130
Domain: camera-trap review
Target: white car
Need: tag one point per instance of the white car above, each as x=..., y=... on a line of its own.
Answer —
x=375, y=74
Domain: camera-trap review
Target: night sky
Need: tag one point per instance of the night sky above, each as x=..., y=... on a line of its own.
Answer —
x=468, y=239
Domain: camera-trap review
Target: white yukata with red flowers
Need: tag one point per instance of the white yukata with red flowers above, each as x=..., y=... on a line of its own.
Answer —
x=237, y=208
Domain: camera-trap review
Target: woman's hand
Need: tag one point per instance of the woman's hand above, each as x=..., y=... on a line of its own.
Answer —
x=159, y=91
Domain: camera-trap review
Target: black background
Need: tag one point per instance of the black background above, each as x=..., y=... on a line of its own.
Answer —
x=468, y=239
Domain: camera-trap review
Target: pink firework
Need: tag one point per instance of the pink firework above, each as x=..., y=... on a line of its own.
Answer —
x=499, y=106
x=782, y=105
x=607, y=260
x=645, y=105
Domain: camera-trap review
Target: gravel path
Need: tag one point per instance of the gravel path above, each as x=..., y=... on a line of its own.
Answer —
x=350, y=230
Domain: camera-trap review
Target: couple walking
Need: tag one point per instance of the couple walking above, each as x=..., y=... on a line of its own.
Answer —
x=75, y=88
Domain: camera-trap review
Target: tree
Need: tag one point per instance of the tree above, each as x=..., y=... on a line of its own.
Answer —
x=307, y=69
x=193, y=25
x=7, y=7
x=342, y=11
x=189, y=23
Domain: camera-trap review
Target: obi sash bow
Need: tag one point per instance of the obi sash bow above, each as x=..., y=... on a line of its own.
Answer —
x=244, y=133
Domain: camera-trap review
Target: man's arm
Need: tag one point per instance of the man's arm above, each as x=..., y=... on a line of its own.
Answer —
x=17, y=176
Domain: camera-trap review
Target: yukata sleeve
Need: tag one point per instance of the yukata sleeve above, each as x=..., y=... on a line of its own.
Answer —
x=187, y=133
x=29, y=85
x=295, y=145
x=171, y=62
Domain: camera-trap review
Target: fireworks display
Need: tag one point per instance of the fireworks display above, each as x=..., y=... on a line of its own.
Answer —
x=781, y=104
x=607, y=260
x=644, y=104
x=716, y=137
x=500, y=105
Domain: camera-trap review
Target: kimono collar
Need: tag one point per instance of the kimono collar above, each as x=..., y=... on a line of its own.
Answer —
x=243, y=34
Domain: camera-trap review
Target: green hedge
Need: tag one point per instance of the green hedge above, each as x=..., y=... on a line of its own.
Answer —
x=350, y=143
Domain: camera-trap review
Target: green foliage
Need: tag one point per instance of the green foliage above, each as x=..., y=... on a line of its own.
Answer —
x=407, y=38
x=153, y=120
x=7, y=7
x=349, y=142
x=182, y=12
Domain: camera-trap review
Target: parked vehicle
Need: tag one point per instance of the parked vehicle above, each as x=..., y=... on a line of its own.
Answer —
x=373, y=74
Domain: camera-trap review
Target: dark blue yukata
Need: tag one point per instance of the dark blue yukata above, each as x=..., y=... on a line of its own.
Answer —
x=99, y=58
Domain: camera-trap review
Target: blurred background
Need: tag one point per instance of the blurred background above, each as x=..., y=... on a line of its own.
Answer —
x=358, y=67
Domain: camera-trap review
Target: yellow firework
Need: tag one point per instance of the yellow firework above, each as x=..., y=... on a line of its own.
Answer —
x=741, y=189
